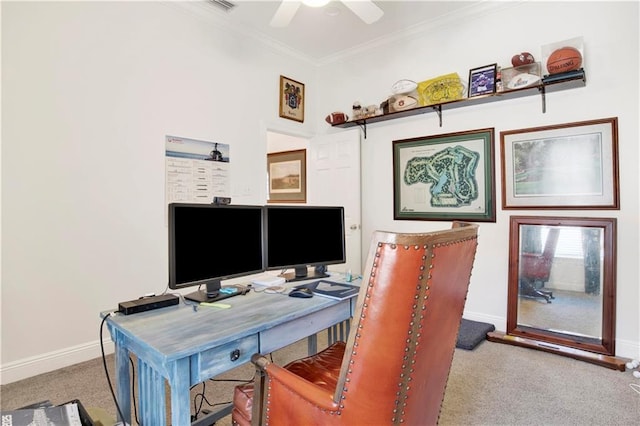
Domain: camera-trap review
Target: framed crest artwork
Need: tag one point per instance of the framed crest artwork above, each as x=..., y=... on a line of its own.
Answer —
x=291, y=99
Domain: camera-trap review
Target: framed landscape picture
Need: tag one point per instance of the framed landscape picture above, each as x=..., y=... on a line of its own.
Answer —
x=445, y=177
x=564, y=166
x=291, y=99
x=287, y=173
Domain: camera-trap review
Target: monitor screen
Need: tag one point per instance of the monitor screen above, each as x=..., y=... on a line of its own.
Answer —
x=209, y=243
x=301, y=236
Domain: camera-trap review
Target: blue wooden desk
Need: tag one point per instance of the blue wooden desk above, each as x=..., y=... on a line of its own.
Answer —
x=186, y=346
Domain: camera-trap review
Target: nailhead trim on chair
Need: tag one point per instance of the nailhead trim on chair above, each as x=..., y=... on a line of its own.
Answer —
x=370, y=284
x=421, y=294
x=423, y=288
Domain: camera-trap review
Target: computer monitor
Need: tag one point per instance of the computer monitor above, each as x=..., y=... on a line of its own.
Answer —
x=301, y=236
x=209, y=243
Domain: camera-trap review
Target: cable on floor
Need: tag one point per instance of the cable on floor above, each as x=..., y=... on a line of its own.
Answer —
x=106, y=370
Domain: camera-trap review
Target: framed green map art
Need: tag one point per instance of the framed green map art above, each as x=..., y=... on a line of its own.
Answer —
x=445, y=177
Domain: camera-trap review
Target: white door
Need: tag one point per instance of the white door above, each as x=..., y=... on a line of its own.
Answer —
x=333, y=178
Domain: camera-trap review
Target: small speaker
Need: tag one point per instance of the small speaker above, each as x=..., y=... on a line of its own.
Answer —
x=221, y=201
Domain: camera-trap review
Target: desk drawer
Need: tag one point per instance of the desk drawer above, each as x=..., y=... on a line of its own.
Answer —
x=288, y=333
x=223, y=358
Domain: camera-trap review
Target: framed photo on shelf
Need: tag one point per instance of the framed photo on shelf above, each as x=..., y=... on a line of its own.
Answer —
x=445, y=177
x=287, y=172
x=291, y=99
x=563, y=166
x=482, y=80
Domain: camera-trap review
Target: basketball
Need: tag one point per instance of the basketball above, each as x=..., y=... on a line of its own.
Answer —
x=563, y=60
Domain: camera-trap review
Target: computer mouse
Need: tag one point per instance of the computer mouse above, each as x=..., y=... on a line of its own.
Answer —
x=301, y=292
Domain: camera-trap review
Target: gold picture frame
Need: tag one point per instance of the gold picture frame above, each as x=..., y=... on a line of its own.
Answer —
x=291, y=99
x=287, y=174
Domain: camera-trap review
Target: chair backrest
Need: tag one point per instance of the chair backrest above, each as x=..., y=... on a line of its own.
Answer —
x=537, y=266
x=405, y=326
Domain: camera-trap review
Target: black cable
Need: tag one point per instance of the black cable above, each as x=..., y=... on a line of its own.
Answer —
x=133, y=390
x=106, y=370
x=196, y=409
x=231, y=380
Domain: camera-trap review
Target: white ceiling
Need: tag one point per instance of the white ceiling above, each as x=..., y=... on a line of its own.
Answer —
x=316, y=35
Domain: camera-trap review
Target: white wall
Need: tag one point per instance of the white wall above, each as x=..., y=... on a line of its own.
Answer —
x=610, y=31
x=90, y=89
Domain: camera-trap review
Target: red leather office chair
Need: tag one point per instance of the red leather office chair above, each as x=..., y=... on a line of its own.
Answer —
x=535, y=268
x=394, y=367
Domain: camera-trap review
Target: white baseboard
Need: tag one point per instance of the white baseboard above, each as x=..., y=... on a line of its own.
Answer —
x=627, y=349
x=29, y=367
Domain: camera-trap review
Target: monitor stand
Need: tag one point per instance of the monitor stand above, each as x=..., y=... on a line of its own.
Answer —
x=210, y=294
x=215, y=292
x=302, y=273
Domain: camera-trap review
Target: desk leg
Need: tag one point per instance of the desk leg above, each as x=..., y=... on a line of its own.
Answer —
x=338, y=332
x=179, y=381
x=123, y=380
x=345, y=327
x=312, y=344
x=152, y=396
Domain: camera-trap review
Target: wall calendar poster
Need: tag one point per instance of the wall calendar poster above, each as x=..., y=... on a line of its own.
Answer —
x=196, y=171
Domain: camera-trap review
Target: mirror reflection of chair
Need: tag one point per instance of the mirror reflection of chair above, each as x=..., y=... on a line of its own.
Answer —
x=535, y=268
x=394, y=366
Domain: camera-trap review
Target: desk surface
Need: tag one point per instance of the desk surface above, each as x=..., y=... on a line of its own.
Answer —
x=186, y=345
x=180, y=330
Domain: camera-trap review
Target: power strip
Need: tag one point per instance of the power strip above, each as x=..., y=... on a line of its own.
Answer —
x=148, y=303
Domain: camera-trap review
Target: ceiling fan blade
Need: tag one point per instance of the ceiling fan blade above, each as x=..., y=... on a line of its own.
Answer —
x=365, y=10
x=285, y=13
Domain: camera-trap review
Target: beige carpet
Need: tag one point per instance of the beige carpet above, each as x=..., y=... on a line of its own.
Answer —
x=571, y=312
x=495, y=384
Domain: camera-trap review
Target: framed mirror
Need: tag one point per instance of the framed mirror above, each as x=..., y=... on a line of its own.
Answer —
x=562, y=287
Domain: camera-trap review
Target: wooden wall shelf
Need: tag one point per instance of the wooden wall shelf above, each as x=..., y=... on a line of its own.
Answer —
x=570, y=80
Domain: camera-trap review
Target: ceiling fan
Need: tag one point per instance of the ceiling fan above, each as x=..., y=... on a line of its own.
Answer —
x=364, y=9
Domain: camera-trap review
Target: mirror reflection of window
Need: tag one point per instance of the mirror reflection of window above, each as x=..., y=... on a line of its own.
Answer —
x=569, y=242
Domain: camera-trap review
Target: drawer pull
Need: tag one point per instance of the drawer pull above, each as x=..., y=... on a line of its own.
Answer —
x=234, y=355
